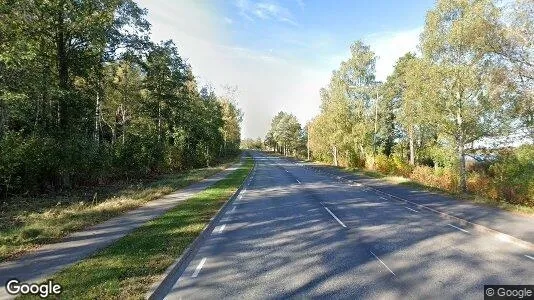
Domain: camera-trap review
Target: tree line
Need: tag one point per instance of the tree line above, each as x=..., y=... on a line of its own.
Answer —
x=286, y=135
x=86, y=96
x=471, y=83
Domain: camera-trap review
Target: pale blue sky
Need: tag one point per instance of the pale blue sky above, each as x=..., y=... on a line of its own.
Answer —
x=280, y=53
x=311, y=30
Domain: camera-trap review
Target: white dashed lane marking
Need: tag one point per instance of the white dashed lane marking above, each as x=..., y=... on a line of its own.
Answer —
x=411, y=209
x=221, y=228
x=463, y=230
x=334, y=216
x=199, y=267
x=382, y=263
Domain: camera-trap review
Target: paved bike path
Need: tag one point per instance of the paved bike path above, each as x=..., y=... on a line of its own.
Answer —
x=39, y=265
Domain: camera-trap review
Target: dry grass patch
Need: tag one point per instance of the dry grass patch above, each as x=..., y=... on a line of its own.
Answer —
x=128, y=268
x=27, y=222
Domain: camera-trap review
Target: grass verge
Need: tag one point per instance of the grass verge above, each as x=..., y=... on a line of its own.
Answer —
x=515, y=208
x=27, y=222
x=128, y=268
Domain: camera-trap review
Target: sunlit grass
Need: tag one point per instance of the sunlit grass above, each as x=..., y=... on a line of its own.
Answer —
x=130, y=266
x=516, y=208
x=27, y=222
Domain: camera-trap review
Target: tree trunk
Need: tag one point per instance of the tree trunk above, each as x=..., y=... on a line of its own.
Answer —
x=97, y=119
x=159, y=122
x=412, y=146
x=3, y=115
x=207, y=157
x=113, y=133
x=123, y=115
x=461, y=158
x=61, y=58
x=461, y=151
x=376, y=124
x=308, y=151
x=334, y=152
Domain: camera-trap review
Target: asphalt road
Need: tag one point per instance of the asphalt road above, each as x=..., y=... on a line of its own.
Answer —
x=295, y=232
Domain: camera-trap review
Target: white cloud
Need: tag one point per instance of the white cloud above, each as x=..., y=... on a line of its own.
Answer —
x=389, y=46
x=228, y=20
x=266, y=83
x=265, y=10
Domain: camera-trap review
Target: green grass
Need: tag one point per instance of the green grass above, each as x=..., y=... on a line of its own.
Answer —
x=27, y=222
x=515, y=208
x=368, y=173
x=130, y=266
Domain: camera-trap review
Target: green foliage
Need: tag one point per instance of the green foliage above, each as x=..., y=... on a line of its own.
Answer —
x=86, y=97
x=348, y=120
x=513, y=174
x=29, y=221
x=472, y=83
x=252, y=144
x=139, y=258
x=286, y=135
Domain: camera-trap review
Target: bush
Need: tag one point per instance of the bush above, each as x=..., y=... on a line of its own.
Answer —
x=382, y=164
x=27, y=164
x=482, y=184
x=513, y=174
x=509, y=178
x=442, y=178
x=400, y=166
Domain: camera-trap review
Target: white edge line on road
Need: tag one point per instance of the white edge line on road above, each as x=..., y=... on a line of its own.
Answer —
x=332, y=214
x=458, y=228
x=233, y=209
x=411, y=209
x=199, y=267
x=221, y=228
x=382, y=263
x=528, y=256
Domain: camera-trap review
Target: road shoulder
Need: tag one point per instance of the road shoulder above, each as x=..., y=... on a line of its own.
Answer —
x=49, y=259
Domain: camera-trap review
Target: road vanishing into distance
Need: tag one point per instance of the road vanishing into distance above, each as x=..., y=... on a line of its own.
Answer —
x=294, y=231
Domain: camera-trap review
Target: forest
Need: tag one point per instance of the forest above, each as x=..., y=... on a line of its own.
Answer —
x=86, y=97
x=458, y=115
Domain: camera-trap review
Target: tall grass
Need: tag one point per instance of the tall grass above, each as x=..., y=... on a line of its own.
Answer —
x=26, y=223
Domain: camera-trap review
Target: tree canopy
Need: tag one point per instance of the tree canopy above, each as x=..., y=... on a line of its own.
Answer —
x=85, y=96
x=472, y=80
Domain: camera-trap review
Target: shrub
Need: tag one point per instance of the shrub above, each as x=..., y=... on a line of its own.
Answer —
x=400, y=166
x=482, y=184
x=382, y=164
x=513, y=175
x=442, y=178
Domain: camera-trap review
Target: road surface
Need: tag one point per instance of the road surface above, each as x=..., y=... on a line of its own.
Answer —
x=296, y=232
x=41, y=264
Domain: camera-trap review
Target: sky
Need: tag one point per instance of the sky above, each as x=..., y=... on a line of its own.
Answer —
x=279, y=53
